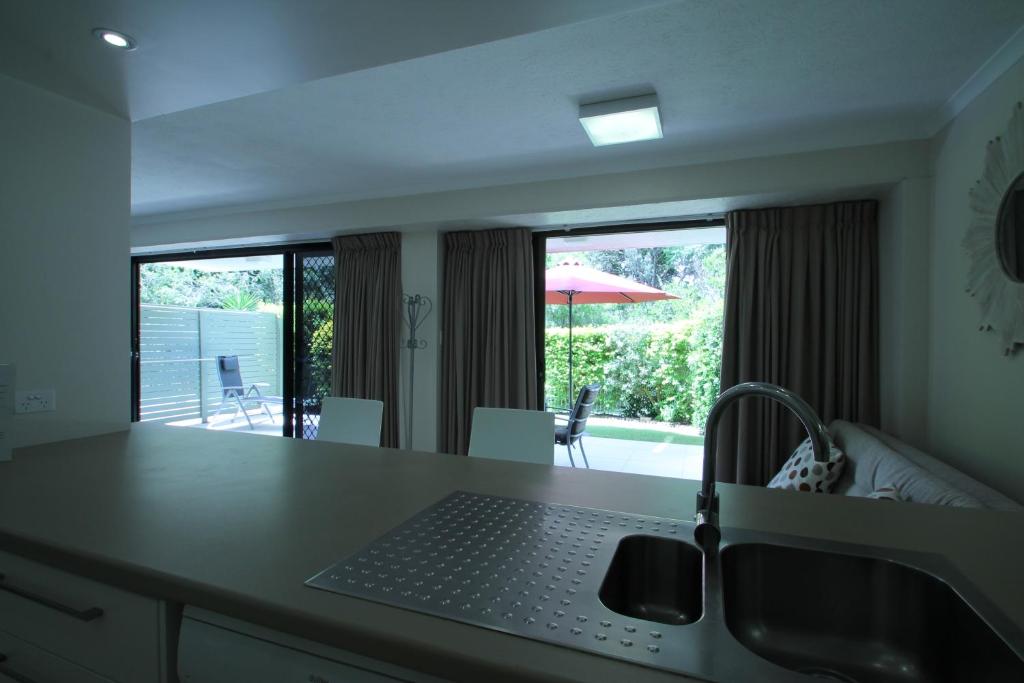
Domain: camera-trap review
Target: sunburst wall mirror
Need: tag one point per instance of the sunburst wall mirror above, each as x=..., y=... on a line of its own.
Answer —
x=995, y=238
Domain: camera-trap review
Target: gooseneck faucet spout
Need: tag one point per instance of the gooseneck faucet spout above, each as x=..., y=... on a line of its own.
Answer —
x=707, y=533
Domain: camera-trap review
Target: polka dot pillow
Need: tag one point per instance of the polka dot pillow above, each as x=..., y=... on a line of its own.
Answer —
x=803, y=473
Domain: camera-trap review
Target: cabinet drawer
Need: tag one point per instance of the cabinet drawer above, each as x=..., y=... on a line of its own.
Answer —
x=20, y=661
x=102, y=628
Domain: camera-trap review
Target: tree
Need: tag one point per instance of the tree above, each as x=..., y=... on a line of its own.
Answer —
x=168, y=284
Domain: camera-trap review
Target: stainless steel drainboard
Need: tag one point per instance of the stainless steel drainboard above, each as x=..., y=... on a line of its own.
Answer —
x=526, y=568
x=535, y=570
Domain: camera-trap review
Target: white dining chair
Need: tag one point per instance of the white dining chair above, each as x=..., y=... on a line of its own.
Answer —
x=350, y=420
x=507, y=434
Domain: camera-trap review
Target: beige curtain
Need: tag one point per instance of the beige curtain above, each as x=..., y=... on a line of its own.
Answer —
x=489, y=355
x=367, y=323
x=801, y=311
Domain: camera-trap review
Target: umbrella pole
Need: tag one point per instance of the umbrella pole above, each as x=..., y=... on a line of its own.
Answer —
x=570, y=401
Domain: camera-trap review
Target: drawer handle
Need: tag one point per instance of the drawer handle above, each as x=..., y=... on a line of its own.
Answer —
x=13, y=675
x=82, y=615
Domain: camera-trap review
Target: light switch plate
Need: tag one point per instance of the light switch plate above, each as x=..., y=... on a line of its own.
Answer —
x=35, y=401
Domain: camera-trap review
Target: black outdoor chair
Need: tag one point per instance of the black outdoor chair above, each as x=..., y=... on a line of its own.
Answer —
x=575, y=429
x=234, y=390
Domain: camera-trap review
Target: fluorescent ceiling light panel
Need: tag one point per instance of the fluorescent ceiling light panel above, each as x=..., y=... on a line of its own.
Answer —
x=627, y=120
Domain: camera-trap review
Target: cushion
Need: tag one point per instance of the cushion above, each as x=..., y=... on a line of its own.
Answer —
x=560, y=434
x=229, y=362
x=872, y=464
x=988, y=496
x=803, y=473
x=888, y=492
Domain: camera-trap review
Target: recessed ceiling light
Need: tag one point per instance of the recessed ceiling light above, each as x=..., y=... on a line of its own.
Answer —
x=627, y=120
x=115, y=38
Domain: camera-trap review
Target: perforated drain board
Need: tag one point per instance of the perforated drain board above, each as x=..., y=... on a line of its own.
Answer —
x=525, y=568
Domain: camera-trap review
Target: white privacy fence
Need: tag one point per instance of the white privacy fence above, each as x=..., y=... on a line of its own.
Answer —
x=178, y=349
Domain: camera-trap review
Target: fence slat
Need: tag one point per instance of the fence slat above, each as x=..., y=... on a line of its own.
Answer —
x=175, y=383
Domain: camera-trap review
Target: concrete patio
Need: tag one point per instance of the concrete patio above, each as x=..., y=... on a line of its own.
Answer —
x=637, y=457
x=227, y=422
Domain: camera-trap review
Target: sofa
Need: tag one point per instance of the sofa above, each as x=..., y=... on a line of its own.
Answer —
x=877, y=461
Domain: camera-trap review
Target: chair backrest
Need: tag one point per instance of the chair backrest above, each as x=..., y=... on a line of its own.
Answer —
x=350, y=420
x=508, y=434
x=230, y=375
x=581, y=411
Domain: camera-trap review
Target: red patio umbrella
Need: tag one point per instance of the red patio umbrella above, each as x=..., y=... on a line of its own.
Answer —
x=573, y=282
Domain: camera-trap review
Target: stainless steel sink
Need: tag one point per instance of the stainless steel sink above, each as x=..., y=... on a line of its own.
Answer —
x=654, y=578
x=763, y=607
x=849, y=618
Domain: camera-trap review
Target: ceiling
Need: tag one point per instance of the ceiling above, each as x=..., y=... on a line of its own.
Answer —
x=196, y=52
x=309, y=101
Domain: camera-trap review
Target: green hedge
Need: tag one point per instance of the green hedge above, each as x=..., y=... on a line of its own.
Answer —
x=664, y=372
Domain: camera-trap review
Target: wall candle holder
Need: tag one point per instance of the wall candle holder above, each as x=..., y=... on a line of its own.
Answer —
x=417, y=308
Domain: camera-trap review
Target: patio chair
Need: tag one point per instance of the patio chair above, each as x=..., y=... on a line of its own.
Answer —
x=575, y=429
x=234, y=391
x=350, y=420
x=509, y=434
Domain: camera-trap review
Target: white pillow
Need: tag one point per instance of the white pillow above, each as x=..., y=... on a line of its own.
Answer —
x=889, y=492
x=803, y=473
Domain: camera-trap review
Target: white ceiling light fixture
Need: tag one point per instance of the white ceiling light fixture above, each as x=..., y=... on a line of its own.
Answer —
x=114, y=38
x=630, y=119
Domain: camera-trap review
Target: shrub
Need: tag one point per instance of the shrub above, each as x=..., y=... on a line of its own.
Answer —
x=670, y=348
x=239, y=301
x=664, y=372
x=705, y=363
x=631, y=375
x=592, y=351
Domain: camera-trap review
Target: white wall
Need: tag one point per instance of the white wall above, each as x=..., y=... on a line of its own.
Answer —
x=904, y=223
x=788, y=178
x=421, y=275
x=975, y=396
x=64, y=269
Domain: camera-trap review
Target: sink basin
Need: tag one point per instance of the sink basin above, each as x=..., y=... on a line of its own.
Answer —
x=857, y=619
x=656, y=579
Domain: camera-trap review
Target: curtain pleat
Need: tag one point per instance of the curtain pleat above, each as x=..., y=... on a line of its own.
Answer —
x=367, y=322
x=801, y=311
x=489, y=355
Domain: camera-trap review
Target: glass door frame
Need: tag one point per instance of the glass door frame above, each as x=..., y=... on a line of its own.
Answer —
x=540, y=252
x=292, y=254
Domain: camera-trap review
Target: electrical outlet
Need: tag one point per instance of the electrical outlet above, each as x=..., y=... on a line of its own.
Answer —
x=36, y=401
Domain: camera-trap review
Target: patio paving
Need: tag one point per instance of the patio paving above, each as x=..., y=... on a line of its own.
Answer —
x=638, y=457
x=225, y=422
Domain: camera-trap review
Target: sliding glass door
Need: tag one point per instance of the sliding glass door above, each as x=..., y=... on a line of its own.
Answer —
x=314, y=335
x=233, y=340
x=632, y=321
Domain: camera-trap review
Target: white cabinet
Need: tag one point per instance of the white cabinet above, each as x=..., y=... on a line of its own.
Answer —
x=213, y=649
x=21, y=661
x=111, y=632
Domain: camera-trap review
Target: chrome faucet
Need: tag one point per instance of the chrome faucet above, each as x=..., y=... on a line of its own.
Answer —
x=707, y=533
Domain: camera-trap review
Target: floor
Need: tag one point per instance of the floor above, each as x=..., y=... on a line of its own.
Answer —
x=613, y=455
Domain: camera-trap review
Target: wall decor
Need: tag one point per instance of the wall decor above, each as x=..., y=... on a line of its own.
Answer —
x=995, y=238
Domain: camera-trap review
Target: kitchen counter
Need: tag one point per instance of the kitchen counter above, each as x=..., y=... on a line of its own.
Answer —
x=235, y=523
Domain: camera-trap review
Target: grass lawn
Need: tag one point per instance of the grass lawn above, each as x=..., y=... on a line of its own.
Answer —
x=631, y=433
